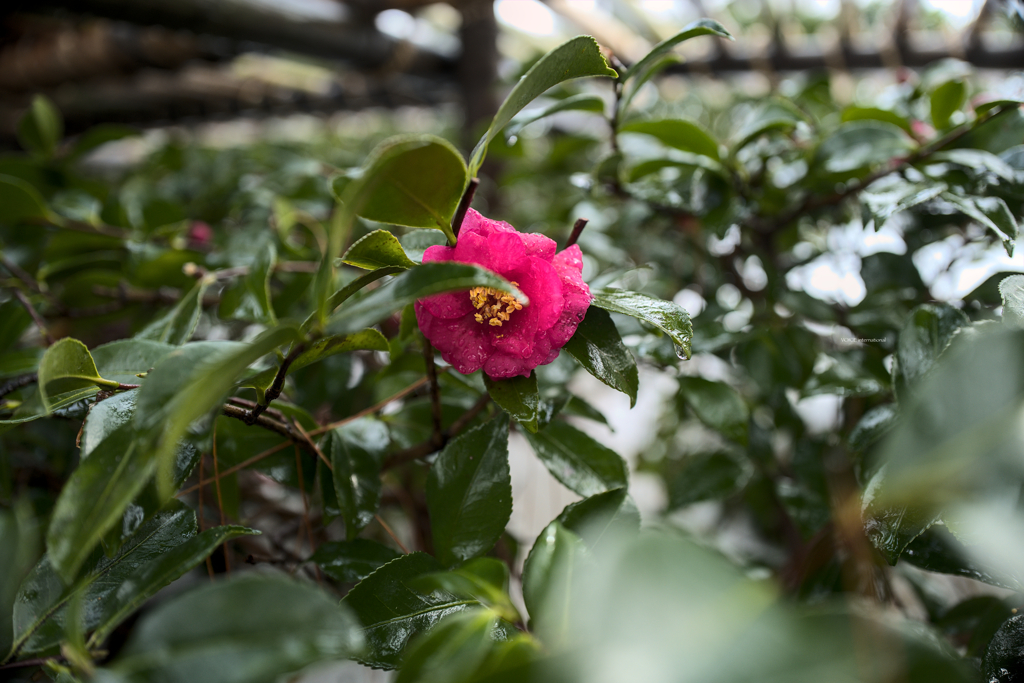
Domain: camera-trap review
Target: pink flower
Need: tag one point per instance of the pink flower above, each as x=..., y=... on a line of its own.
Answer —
x=488, y=329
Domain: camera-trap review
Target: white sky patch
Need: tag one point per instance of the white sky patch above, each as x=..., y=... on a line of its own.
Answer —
x=832, y=277
x=528, y=16
x=958, y=12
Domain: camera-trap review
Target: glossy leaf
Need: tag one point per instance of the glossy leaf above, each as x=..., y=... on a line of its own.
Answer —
x=379, y=249
x=469, y=492
x=577, y=58
x=452, y=651
x=339, y=297
x=391, y=612
x=483, y=578
x=641, y=71
x=548, y=577
x=923, y=339
x=186, y=385
x=364, y=340
x=684, y=135
x=891, y=530
x=888, y=196
x=946, y=99
x=597, y=346
x=582, y=464
x=518, y=397
x=667, y=316
x=95, y=497
x=68, y=366
x=938, y=550
x=357, y=450
x=1004, y=657
x=415, y=181
x=124, y=360
x=718, y=405
x=992, y=213
x=855, y=113
x=178, y=324
x=41, y=128
x=256, y=302
x=601, y=515
x=248, y=628
x=352, y=561
x=857, y=146
x=416, y=283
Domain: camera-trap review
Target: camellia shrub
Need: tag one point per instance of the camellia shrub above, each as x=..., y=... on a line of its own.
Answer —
x=296, y=369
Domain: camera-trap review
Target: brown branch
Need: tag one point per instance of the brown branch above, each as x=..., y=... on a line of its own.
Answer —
x=20, y=296
x=273, y=425
x=424, y=449
x=17, y=272
x=467, y=199
x=240, y=466
x=435, y=392
x=197, y=271
x=380, y=520
x=577, y=230
x=275, y=389
x=18, y=383
x=372, y=409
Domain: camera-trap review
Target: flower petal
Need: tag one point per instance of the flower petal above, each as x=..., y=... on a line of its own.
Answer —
x=462, y=342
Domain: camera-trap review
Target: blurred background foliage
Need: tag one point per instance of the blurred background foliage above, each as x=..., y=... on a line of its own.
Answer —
x=829, y=488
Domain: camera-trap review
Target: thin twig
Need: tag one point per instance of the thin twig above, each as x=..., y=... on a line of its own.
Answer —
x=305, y=515
x=391, y=533
x=17, y=272
x=316, y=449
x=271, y=424
x=278, y=385
x=435, y=391
x=577, y=230
x=220, y=498
x=240, y=466
x=467, y=199
x=374, y=408
x=20, y=296
x=18, y=383
x=39, y=661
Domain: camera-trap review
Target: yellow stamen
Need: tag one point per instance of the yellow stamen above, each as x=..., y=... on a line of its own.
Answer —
x=495, y=307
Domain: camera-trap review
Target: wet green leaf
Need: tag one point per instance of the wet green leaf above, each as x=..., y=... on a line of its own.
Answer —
x=364, y=340
x=582, y=464
x=718, y=405
x=177, y=325
x=992, y=213
x=548, y=577
x=357, y=450
x=923, y=339
x=469, y=492
x=453, y=651
x=668, y=317
x=581, y=102
x=518, y=397
x=684, y=135
x=946, y=99
x=597, y=346
x=379, y=249
x=483, y=578
x=391, y=612
x=68, y=366
x=707, y=476
x=352, y=561
x=601, y=515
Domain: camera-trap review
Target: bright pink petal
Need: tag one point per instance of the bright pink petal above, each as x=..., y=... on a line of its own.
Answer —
x=450, y=305
x=438, y=252
x=462, y=342
x=539, y=245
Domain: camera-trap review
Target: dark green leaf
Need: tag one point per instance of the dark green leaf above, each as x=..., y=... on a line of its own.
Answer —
x=20, y=362
x=95, y=497
x=19, y=200
x=978, y=161
x=986, y=107
x=641, y=71
x=391, y=613
x=123, y=360
x=518, y=397
x=188, y=384
x=415, y=181
x=416, y=283
x=68, y=366
x=352, y=561
x=875, y=423
x=978, y=618
x=678, y=133
x=452, y=651
x=892, y=528
x=707, y=476
x=18, y=536
x=177, y=325
x=892, y=194
x=597, y=346
x=718, y=405
x=339, y=297
x=469, y=492
x=483, y=578
x=938, y=550
x=256, y=303
x=577, y=406
x=367, y=340
x=576, y=58
x=548, y=577
x=606, y=513
x=356, y=451
x=379, y=249
x=664, y=315
x=246, y=629
x=946, y=99
x=583, y=465
x=1004, y=657
x=41, y=128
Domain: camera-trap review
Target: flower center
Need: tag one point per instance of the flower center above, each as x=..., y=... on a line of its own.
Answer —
x=493, y=307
